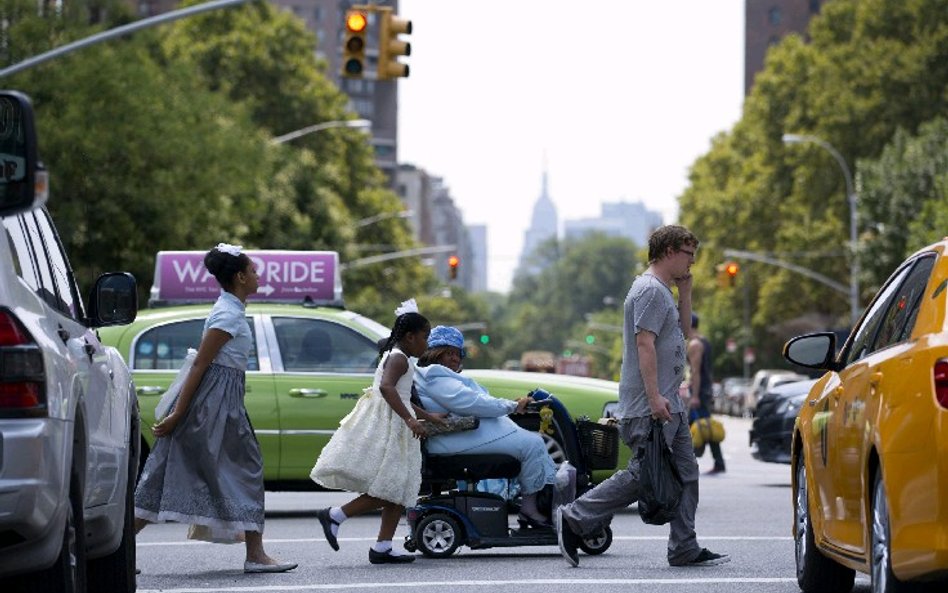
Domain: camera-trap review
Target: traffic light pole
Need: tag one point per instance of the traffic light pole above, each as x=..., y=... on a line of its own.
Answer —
x=118, y=32
x=837, y=286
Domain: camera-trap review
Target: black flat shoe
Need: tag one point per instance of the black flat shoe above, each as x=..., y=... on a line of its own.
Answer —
x=388, y=557
x=325, y=519
x=527, y=521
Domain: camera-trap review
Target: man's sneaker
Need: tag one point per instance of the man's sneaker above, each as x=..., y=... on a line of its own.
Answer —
x=706, y=558
x=715, y=471
x=568, y=540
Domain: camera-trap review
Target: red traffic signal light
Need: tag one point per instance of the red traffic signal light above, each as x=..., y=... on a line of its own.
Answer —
x=453, y=262
x=727, y=274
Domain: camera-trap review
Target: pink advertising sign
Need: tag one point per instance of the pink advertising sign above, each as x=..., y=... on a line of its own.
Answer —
x=285, y=276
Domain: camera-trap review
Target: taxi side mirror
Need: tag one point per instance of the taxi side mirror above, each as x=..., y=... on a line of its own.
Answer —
x=23, y=180
x=815, y=351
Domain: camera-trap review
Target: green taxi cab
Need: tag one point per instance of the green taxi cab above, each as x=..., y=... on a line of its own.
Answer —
x=308, y=365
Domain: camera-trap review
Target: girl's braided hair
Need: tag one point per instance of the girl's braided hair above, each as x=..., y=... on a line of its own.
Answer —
x=405, y=323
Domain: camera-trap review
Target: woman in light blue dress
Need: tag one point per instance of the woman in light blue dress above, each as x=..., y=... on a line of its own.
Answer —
x=441, y=388
x=206, y=468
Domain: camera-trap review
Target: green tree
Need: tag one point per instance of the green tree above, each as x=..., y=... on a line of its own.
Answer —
x=547, y=310
x=904, y=197
x=871, y=68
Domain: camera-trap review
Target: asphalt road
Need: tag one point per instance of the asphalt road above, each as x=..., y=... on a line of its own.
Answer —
x=745, y=513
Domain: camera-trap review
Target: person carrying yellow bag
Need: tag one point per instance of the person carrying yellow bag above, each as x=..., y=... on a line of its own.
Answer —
x=705, y=430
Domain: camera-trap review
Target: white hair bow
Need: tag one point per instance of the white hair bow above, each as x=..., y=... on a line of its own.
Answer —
x=409, y=306
x=234, y=250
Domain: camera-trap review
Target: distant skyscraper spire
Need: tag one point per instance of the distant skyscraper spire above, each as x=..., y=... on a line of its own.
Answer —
x=543, y=224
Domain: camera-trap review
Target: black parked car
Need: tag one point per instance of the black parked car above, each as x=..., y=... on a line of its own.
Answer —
x=772, y=430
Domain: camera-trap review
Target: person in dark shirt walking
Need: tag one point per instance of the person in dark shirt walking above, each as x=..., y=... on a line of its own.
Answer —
x=699, y=358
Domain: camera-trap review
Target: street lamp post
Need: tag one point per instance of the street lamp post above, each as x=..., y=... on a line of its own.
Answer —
x=852, y=198
x=383, y=216
x=347, y=123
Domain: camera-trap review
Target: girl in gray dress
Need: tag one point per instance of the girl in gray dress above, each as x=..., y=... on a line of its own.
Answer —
x=206, y=468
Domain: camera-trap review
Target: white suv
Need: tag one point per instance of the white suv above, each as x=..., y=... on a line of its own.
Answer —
x=69, y=430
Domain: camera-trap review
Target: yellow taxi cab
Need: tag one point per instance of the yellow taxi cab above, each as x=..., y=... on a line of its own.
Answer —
x=870, y=445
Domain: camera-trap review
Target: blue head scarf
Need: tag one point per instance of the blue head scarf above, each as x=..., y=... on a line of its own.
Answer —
x=443, y=335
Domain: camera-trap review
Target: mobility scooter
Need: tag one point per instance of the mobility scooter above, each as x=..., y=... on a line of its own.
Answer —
x=449, y=517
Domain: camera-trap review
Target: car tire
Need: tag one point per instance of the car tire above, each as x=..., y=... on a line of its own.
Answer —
x=815, y=572
x=68, y=572
x=880, y=560
x=438, y=535
x=597, y=544
x=115, y=573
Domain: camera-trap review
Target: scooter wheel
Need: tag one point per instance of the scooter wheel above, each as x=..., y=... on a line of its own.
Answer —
x=438, y=535
x=597, y=544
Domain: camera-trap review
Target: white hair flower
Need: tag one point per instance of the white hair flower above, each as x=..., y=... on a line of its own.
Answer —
x=234, y=250
x=409, y=306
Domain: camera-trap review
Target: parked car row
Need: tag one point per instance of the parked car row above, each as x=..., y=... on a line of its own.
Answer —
x=739, y=396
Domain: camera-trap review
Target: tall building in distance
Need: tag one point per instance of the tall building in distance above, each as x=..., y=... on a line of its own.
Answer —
x=478, y=235
x=436, y=221
x=544, y=225
x=631, y=220
x=766, y=22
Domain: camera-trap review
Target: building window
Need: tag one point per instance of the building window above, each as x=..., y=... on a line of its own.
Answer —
x=774, y=40
x=317, y=13
x=774, y=16
x=814, y=6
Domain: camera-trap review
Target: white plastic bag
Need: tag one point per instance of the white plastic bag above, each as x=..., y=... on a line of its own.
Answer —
x=564, y=490
x=168, y=398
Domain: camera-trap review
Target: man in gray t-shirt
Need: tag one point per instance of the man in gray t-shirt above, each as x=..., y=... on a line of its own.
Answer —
x=653, y=365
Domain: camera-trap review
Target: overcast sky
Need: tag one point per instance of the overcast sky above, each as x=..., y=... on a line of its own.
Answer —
x=620, y=96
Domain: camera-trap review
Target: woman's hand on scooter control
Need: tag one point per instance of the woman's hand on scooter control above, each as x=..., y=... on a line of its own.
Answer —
x=522, y=404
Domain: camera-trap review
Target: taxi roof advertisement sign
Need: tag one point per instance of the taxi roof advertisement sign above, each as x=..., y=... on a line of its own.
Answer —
x=285, y=277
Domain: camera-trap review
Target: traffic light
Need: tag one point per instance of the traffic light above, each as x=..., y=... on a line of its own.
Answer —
x=485, y=339
x=390, y=46
x=727, y=274
x=353, y=49
x=453, y=262
x=590, y=339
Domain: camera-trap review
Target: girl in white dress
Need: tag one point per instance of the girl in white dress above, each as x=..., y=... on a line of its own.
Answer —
x=375, y=451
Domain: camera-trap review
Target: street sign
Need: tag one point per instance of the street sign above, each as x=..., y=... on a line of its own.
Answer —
x=749, y=356
x=285, y=277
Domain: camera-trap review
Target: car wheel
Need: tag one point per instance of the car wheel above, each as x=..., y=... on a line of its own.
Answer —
x=438, y=535
x=880, y=563
x=68, y=573
x=597, y=544
x=115, y=573
x=815, y=572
